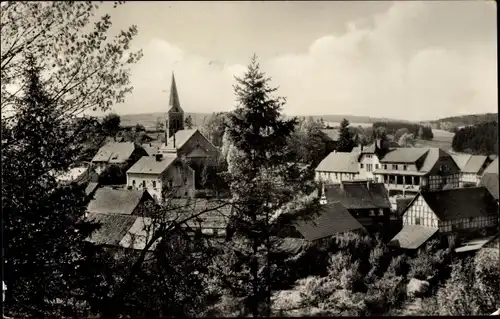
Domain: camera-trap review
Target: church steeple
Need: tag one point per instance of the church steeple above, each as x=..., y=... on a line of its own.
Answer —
x=174, y=120
x=173, y=103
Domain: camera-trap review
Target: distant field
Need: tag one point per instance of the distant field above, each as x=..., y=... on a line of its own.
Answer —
x=149, y=119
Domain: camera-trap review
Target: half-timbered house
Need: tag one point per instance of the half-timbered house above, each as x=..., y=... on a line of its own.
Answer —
x=454, y=211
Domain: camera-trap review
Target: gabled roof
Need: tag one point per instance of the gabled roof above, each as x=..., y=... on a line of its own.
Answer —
x=115, y=152
x=150, y=164
x=461, y=160
x=474, y=164
x=412, y=236
x=333, y=218
x=433, y=155
x=358, y=195
x=460, y=203
x=115, y=201
x=113, y=228
x=490, y=182
x=404, y=155
x=339, y=162
x=493, y=167
x=181, y=137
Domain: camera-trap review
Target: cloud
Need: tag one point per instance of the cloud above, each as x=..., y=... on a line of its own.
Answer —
x=410, y=63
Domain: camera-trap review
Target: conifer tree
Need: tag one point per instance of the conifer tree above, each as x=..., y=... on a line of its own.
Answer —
x=264, y=179
x=345, y=143
x=47, y=259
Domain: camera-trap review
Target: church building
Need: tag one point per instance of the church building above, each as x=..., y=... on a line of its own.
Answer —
x=190, y=144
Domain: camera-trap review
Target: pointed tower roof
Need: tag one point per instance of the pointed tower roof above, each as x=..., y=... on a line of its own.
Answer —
x=174, y=97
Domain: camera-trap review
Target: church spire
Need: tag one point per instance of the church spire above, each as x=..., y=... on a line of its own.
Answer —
x=174, y=96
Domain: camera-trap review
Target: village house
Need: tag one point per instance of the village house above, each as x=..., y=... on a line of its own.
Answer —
x=338, y=167
x=471, y=167
x=366, y=201
x=408, y=170
x=120, y=154
x=124, y=227
x=162, y=173
x=459, y=211
x=190, y=144
x=333, y=219
x=111, y=200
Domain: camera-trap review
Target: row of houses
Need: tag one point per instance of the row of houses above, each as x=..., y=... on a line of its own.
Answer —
x=406, y=170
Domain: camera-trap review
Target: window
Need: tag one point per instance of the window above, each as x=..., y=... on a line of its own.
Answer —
x=361, y=165
x=395, y=166
x=417, y=221
x=133, y=182
x=154, y=184
x=185, y=193
x=405, y=167
x=185, y=180
x=376, y=166
x=368, y=167
x=384, y=166
x=143, y=183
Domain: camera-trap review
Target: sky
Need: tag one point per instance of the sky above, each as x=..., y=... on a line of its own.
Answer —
x=404, y=60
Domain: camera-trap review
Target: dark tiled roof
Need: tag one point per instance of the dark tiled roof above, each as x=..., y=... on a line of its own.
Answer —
x=460, y=203
x=490, y=182
x=113, y=228
x=115, y=152
x=333, y=218
x=217, y=216
x=149, y=164
x=115, y=201
x=358, y=195
x=412, y=236
x=402, y=203
x=340, y=162
x=404, y=155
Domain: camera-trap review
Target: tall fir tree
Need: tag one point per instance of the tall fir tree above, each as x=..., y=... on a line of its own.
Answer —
x=345, y=143
x=264, y=178
x=49, y=266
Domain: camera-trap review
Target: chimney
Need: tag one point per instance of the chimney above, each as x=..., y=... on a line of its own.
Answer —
x=158, y=157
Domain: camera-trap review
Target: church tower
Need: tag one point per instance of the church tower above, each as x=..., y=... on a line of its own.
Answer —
x=174, y=120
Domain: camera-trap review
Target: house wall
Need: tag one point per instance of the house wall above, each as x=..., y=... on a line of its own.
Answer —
x=436, y=182
x=335, y=178
x=367, y=164
x=468, y=223
x=469, y=178
x=419, y=213
x=399, y=167
x=177, y=176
